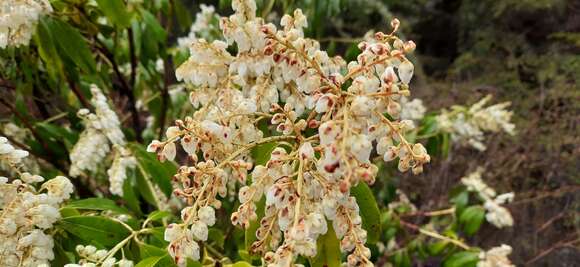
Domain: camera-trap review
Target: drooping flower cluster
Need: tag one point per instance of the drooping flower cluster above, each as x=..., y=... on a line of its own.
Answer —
x=18, y=19
x=123, y=161
x=324, y=114
x=467, y=125
x=205, y=27
x=9, y=155
x=91, y=257
x=496, y=257
x=25, y=214
x=102, y=130
x=412, y=109
x=495, y=213
x=18, y=134
x=183, y=240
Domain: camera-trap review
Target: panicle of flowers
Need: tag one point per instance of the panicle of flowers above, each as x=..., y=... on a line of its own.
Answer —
x=123, y=161
x=495, y=213
x=9, y=155
x=281, y=77
x=20, y=135
x=18, y=19
x=205, y=27
x=93, y=257
x=26, y=211
x=467, y=125
x=412, y=109
x=496, y=257
x=102, y=131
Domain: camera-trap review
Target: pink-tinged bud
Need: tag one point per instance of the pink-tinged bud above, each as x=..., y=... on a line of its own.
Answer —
x=268, y=50
x=395, y=23
x=409, y=46
x=313, y=124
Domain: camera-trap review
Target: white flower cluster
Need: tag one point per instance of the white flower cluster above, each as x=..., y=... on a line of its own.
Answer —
x=183, y=238
x=18, y=19
x=91, y=257
x=205, y=26
x=468, y=125
x=20, y=135
x=10, y=155
x=496, y=257
x=123, y=161
x=102, y=130
x=412, y=109
x=281, y=77
x=496, y=214
x=25, y=213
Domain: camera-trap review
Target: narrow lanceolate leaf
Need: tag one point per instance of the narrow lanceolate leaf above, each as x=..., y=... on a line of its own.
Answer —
x=45, y=41
x=103, y=230
x=327, y=250
x=116, y=12
x=72, y=44
x=472, y=218
x=462, y=259
x=97, y=204
x=149, y=262
x=159, y=172
x=369, y=211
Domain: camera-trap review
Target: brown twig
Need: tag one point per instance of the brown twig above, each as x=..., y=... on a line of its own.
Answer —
x=133, y=57
x=560, y=244
x=125, y=88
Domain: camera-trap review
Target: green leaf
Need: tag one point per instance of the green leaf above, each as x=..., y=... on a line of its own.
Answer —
x=103, y=230
x=459, y=197
x=401, y=259
x=116, y=12
x=241, y=264
x=369, y=211
x=328, y=250
x=146, y=251
x=159, y=172
x=158, y=215
x=73, y=45
x=130, y=194
x=462, y=259
x=97, y=204
x=47, y=49
x=437, y=248
x=472, y=218
x=149, y=262
x=250, y=233
x=262, y=153
x=153, y=24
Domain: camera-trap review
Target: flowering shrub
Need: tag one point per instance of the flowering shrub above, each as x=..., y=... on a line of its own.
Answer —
x=278, y=148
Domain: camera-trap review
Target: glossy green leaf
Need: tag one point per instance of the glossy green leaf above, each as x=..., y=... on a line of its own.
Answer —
x=116, y=12
x=47, y=48
x=103, y=230
x=327, y=250
x=472, y=218
x=250, y=233
x=261, y=153
x=401, y=259
x=369, y=211
x=73, y=45
x=147, y=250
x=97, y=204
x=149, y=262
x=130, y=193
x=158, y=215
x=462, y=259
x=241, y=264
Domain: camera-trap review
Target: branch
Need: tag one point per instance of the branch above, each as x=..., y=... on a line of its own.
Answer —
x=125, y=89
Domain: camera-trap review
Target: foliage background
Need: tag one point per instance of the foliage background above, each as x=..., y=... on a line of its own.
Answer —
x=523, y=51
